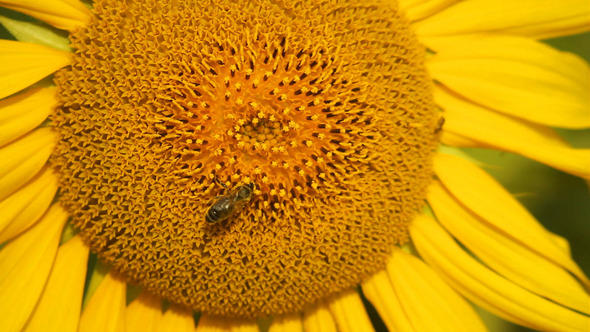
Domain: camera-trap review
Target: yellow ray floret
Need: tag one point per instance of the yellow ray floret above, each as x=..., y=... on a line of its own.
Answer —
x=419, y=9
x=23, y=112
x=487, y=289
x=519, y=77
x=177, y=318
x=484, y=196
x=209, y=323
x=58, y=309
x=143, y=314
x=25, y=264
x=530, y=18
x=317, y=318
x=431, y=305
x=379, y=291
x=508, y=257
x=409, y=296
x=24, y=158
x=24, y=64
x=24, y=207
x=62, y=14
x=349, y=312
x=287, y=323
x=105, y=311
x=494, y=130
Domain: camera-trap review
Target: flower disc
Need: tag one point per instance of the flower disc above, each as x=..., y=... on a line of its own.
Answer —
x=324, y=107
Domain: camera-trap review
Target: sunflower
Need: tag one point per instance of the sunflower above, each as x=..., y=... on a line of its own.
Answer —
x=283, y=164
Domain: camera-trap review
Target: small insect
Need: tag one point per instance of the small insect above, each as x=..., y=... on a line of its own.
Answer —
x=227, y=204
x=439, y=125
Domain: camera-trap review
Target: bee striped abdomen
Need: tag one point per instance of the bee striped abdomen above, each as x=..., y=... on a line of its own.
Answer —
x=225, y=206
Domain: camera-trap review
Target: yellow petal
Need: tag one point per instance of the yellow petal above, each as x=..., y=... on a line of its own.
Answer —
x=484, y=196
x=418, y=9
x=105, y=311
x=317, y=318
x=212, y=324
x=144, y=314
x=25, y=264
x=429, y=303
x=22, y=113
x=380, y=293
x=36, y=32
x=287, y=323
x=96, y=277
x=440, y=43
x=349, y=312
x=24, y=64
x=23, y=208
x=561, y=242
x=177, y=319
x=23, y=159
x=494, y=130
x=219, y=324
x=507, y=257
x=59, y=308
x=520, y=77
x=487, y=289
x=243, y=325
x=539, y=19
x=452, y=139
x=62, y=14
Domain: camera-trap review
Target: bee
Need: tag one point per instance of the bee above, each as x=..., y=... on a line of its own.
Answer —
x=227, y=204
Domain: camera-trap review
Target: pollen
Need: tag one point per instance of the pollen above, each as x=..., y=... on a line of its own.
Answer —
x=324, y=107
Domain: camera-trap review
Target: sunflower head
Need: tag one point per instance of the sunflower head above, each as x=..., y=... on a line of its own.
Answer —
x=323, y=110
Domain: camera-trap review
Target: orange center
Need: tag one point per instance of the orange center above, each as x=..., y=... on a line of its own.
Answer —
x=325, y=109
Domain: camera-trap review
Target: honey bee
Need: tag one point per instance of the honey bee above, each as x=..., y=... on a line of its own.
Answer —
x=227, y=204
